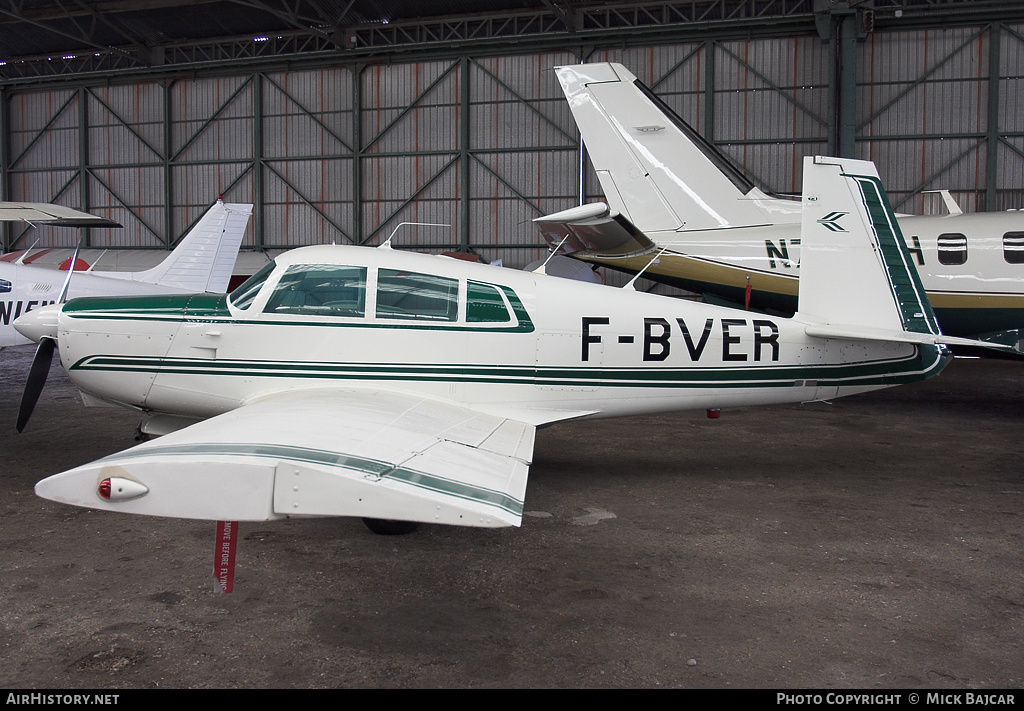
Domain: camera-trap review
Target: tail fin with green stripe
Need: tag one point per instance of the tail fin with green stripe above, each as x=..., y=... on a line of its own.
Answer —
x=857, y=279
x=855, y=269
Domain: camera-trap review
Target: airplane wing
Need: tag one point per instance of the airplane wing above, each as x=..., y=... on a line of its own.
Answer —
x=364, y=453
x=593, y=228
x=41, y=213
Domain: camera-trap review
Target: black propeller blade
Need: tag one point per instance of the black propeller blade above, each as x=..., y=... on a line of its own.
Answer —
x=36, y=380
x=40, y=369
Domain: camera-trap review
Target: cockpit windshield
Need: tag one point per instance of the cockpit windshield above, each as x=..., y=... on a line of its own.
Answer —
x=243, y=296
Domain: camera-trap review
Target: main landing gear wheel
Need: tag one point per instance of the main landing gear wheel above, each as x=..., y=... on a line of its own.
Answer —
x=387, y=527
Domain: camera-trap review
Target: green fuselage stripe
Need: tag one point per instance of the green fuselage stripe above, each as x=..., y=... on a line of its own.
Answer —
x=886, y=372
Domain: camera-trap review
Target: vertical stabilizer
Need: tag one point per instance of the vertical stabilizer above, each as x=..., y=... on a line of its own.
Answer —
x=205, y=257
x=654, y=168
x=855, y=270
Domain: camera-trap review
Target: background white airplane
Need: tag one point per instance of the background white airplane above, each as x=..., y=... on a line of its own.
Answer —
x=350, y=381
x=668, y=189
x=202, y=261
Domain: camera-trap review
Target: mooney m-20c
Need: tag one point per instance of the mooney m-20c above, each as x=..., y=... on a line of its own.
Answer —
x=202, y=261
x=375, y=383
x=670, y=192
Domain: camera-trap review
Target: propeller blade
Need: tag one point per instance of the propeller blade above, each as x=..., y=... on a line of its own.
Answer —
x=67, y=279
x=40, y=369
x=36, y=380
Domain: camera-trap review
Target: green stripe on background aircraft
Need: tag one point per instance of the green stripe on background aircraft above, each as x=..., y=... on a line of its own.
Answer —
x=389, y=385
x=671, y=193
x=202, y=261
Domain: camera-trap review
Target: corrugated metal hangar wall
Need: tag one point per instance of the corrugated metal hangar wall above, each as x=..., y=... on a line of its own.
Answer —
x=345, y=153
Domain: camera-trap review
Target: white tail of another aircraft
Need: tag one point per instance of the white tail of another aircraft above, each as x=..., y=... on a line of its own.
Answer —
x=203, y=261
x=654, y=168
x=205, y=257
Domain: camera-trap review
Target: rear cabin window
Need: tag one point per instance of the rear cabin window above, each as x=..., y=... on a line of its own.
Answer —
x=1013, y=247
x=485, y=305
x=320, y=290
x=410, y=295
x=952, y=248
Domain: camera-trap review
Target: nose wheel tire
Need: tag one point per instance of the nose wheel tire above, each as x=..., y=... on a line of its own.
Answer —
x=387, y=527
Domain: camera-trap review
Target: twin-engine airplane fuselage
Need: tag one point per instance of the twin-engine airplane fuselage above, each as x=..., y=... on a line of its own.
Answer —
x=350, y=381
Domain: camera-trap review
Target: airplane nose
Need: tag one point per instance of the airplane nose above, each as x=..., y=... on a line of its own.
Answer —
x=39, y=323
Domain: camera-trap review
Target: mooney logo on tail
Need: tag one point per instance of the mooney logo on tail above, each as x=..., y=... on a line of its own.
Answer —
x=831, y=221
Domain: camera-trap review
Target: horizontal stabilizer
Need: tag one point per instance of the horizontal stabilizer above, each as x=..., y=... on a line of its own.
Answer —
x=854, y=333
x=1011, y=339
x=593, y=228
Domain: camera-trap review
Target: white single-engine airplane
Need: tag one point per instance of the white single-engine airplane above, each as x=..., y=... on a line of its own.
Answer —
x=202, y=261
x=669, y=189
x=352, y=381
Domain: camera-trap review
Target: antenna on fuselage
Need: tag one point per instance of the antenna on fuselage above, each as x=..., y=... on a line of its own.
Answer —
x=96, y=261
x=654, y=260
x=386, y=244
x=21, y=259
x=541, y=269
x=948, y=200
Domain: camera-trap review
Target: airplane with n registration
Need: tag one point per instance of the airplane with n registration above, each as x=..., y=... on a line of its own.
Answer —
x=202, y=261
x=388, y=385
x=672, y=194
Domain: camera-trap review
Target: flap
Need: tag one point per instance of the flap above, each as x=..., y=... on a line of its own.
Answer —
x=368, y=453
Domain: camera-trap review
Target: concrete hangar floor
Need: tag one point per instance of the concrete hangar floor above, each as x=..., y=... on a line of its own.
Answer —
x=876, y=542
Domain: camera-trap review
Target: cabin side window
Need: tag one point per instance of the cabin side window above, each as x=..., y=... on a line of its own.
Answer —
x=1013, y=247
x=485, y=304
x=952, y=248
x=410, y=295
x=320, y=290
x=5, y=286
